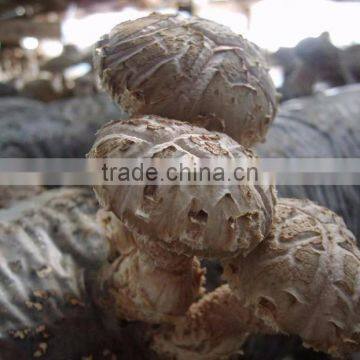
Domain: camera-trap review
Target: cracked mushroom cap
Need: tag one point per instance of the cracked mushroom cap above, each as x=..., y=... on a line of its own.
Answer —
x=304, y=278
x=208, y=221
x=191, y=70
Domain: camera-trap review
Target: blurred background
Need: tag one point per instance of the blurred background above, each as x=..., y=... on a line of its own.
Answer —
x=51, y=103
x=46, y=46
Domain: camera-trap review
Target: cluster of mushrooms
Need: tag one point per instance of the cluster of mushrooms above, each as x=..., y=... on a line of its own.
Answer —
x=194, y=87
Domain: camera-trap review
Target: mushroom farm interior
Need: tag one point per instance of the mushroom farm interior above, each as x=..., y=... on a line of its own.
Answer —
x=179, y=179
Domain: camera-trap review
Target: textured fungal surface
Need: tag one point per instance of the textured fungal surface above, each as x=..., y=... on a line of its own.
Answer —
x=214, y=327
x=304, y=279
x=150, y=285
x=9, y=195
x=188, y=69
x=208, y=221
x=49, y=247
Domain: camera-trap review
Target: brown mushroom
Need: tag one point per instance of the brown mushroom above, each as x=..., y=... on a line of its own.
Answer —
x=207, y=221
x=297, y=272
x=191, y=70
x=304, y=279
x=157, y=230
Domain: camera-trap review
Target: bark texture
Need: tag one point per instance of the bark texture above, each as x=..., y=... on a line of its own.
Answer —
x=324, y=125
x=51, y=249
x=46, y=245
x=61, y=129
x=10, y=195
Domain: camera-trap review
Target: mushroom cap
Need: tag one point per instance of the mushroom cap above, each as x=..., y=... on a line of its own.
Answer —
x=191, y=70
x=196, y=219
x=304, y=278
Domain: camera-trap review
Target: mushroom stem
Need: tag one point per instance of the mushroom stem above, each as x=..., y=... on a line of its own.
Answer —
x=214, y=327
x=143, y=281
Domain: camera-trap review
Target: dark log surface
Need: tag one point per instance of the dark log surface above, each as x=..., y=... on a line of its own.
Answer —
x=50, y=250
x=325, y=125
x=64, y=128
x=316, y=60
x=45, y=245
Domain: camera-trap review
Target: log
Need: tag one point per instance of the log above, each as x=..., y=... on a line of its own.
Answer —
x=50, y=251
x=62, y=129
x=7, y=90
x=324, y=125
x=10, y=195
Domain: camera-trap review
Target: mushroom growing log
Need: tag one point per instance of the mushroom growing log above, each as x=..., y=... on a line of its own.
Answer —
x=61, y=129
x=9, y=195
x=50, y=250
x=316, y=60
x=46, y=245
x=12, y=31
x=324, y=125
